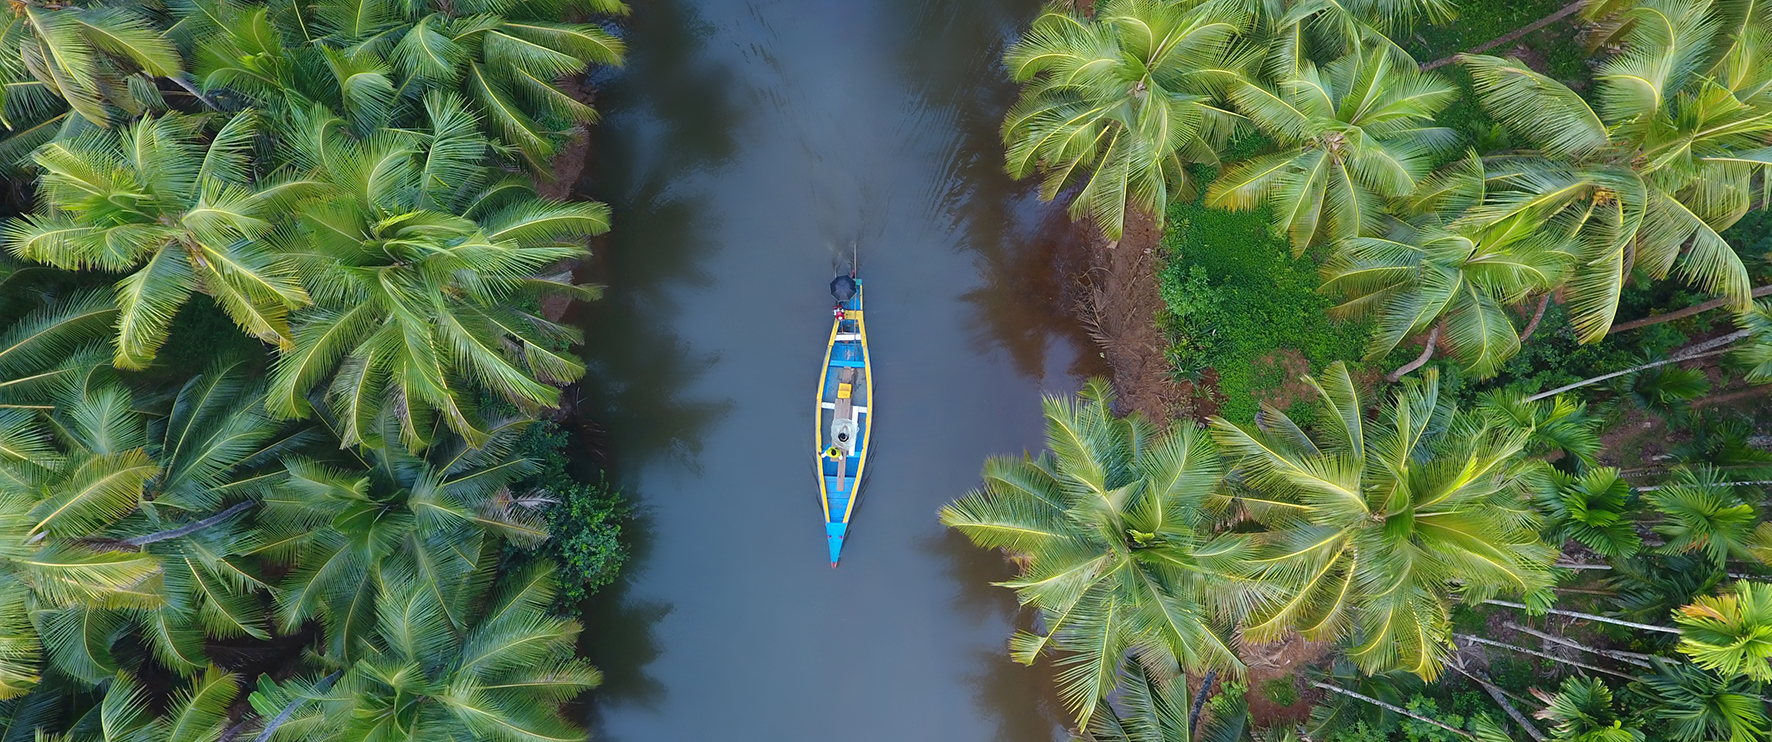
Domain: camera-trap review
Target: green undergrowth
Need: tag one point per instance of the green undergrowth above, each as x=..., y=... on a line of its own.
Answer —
x=1553, y=48
x=1237, y=299
x=585, y=519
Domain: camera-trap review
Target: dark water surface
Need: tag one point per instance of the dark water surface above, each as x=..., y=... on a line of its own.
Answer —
x=745, y=147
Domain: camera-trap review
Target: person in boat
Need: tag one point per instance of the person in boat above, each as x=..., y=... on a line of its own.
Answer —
x=842, y=289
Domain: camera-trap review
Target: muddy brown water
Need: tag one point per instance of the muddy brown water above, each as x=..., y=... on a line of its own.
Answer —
x=745, y=148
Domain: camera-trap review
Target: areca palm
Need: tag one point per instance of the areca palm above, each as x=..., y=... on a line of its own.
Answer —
x=1730, y=634
x=1121, y=104
x=429, y=516
x=502, y=674
x=1658, y=169
x=1559, y=425
x=84, y=56
x=1347, y=136
x=1113, y=535
x=1369, y=526
x=1582, y=712
x=419, y=272
x=1702, y=515
x=1592, y=508
x=1695, y=705
x=177, y=214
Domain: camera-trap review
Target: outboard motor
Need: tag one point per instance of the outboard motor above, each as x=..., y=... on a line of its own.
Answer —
x=843, y=288
x=843, y=431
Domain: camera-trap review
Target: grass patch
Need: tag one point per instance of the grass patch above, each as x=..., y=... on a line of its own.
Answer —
x=1236, y=297
x=1480, y=21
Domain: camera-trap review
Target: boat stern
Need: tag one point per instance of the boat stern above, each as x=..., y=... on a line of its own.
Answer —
x=833, y=534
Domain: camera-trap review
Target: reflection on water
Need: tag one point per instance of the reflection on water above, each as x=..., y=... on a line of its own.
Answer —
x=748, y=149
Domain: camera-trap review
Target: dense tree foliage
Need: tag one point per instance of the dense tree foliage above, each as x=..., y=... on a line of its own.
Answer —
x=337, y=535
x=1500, y=212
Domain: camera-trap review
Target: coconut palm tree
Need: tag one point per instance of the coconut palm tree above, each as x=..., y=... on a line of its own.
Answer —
x=1582, y=712
x=66, y=478
x=177, y=214
x=1730, y=634
x=374, y=61
x=1148, y=707
x=219, y=455
x=197, y=712
x=1657, y=170
x=1414, y=277
x=1120, y=104
x=420, y=270
x=1368, y=526
x=84, y=56
x=430, y=516
x=501, y=674
x=1347, y=136
x=1112, y=531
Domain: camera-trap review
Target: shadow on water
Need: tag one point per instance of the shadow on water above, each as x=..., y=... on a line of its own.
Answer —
x=953, y=54
x=1020, y=242
x=1002, y=688
x=666, y=115
x=618, y=632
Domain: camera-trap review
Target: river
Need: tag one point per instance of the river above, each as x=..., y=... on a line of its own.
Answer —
x=747, y=148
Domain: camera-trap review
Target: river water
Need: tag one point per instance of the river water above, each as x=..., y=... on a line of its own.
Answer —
x=747, y=149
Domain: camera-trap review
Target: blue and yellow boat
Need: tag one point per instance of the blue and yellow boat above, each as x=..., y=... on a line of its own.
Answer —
x=845, y=418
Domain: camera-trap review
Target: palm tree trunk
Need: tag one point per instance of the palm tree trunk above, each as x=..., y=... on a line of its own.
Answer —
x=1588, y=617
x=1193, y=714
x=1565, y=12
x=180, y=81
x=1656, y=319
x=1630, y=658
x=1502, y=701
x=1709, y=347
x=1391, y=707
x=1433, y=336
x=1538, y=316
x=1545, y=655
x=190, y=528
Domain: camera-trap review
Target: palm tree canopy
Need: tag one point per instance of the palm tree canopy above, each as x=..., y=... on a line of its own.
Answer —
x=1120, y=104
x=177, y=214
x=1659, y=167
x=84, y=56
x=1346, y=137
x=1112, y=533
x=1731, y=633
x=1369, y=526
x=1582, y=712
x=420, y=271
x=429, y=515
x=502, y=675
x=1592, y=507
x=1695, y=705
x=1414, y=276
x=373, y=60
x=1702, y=515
